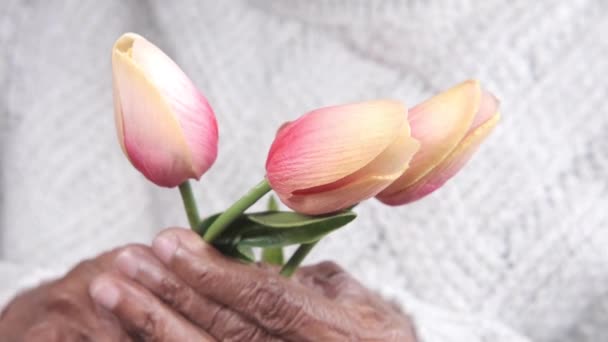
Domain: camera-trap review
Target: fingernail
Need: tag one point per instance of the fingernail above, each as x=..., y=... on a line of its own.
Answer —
x=105, y=293
x=127, y=263
x=164, y=247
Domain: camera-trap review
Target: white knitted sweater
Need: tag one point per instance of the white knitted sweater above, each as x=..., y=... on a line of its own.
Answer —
x=512, y=249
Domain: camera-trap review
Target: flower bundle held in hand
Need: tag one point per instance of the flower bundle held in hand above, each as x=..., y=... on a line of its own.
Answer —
x=321, y=165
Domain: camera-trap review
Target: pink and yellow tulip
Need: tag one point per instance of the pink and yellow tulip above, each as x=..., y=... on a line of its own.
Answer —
x=165, y=125
x=334, y=157
x=450, y=127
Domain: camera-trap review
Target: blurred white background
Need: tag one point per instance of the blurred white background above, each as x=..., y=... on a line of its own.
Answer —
x=513, y=248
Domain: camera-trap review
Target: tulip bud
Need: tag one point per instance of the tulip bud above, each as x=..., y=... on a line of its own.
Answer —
x=450, y=127
x=165, y=126
x=334, y=157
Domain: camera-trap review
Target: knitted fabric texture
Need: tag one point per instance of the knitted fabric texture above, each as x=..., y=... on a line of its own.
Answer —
x=512, y=249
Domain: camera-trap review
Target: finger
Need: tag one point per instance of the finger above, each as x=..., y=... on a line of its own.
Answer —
x=68, y=298
x=142, y=266
x=281, y=306
x=53, y=329
x=61, y=328
x=331, y=281
x=140, y=313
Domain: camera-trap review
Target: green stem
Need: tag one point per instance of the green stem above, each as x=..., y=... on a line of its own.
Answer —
x=190, y=205
x=273, y=255
x=232, y=213
x=296, y=259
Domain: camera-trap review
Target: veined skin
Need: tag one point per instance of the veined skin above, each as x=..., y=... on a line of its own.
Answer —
x=165, y=125
x=334, y=157
x=450, y=127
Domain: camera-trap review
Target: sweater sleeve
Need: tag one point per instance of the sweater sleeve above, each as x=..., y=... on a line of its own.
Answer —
x=436, y=324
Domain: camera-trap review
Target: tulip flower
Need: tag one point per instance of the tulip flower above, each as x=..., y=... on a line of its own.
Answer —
x=165, y=125
x=334, y=157
x=450, y=128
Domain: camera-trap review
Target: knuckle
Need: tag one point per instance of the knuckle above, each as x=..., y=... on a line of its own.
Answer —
x=218, y=317
x=239, y=332
x=167, y=233
x=62, y=302
x=106, y=259
x=147, y=327
x=172, y=230
x=85, y=267
x=43, y=331
x=324, y=271
x=277, y=310
x=56, y=328
x=193, y=243
x=256, y=334
x=209, y=253
x=132, y=247
x=175, y=293
x=181, y=234
x=334, y=277
x=329, y=269
x=136, y=248
x=228, y=326
x=131, y=250
x=204, y=276
x=270, y=302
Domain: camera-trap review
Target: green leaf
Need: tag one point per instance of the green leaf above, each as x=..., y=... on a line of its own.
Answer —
x=227, y=244
x=240, y=252
x=242, y=222
x=288, y=219
x=202, y=228
x=276, y=229
x=245, y=252
x=279, y=229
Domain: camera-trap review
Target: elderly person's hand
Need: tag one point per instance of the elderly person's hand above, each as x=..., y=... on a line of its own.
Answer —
x=62, y=310
x=232, y=301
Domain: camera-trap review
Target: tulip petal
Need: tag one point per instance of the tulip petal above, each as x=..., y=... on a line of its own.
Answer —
x=335, y=200
x=151, y=134
x=284, y=126
x=331, y=143
x=118, y=117
x=446, y=170
x=359, y=186
x=488, y=106
x=439, y=123
x=389, y=164
x=191, y=109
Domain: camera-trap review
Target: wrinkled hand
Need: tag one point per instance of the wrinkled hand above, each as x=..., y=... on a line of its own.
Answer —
x=62, y=310
x=232, y=301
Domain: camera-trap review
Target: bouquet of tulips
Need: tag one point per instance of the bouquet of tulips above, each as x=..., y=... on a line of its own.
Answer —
x=320, y=165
